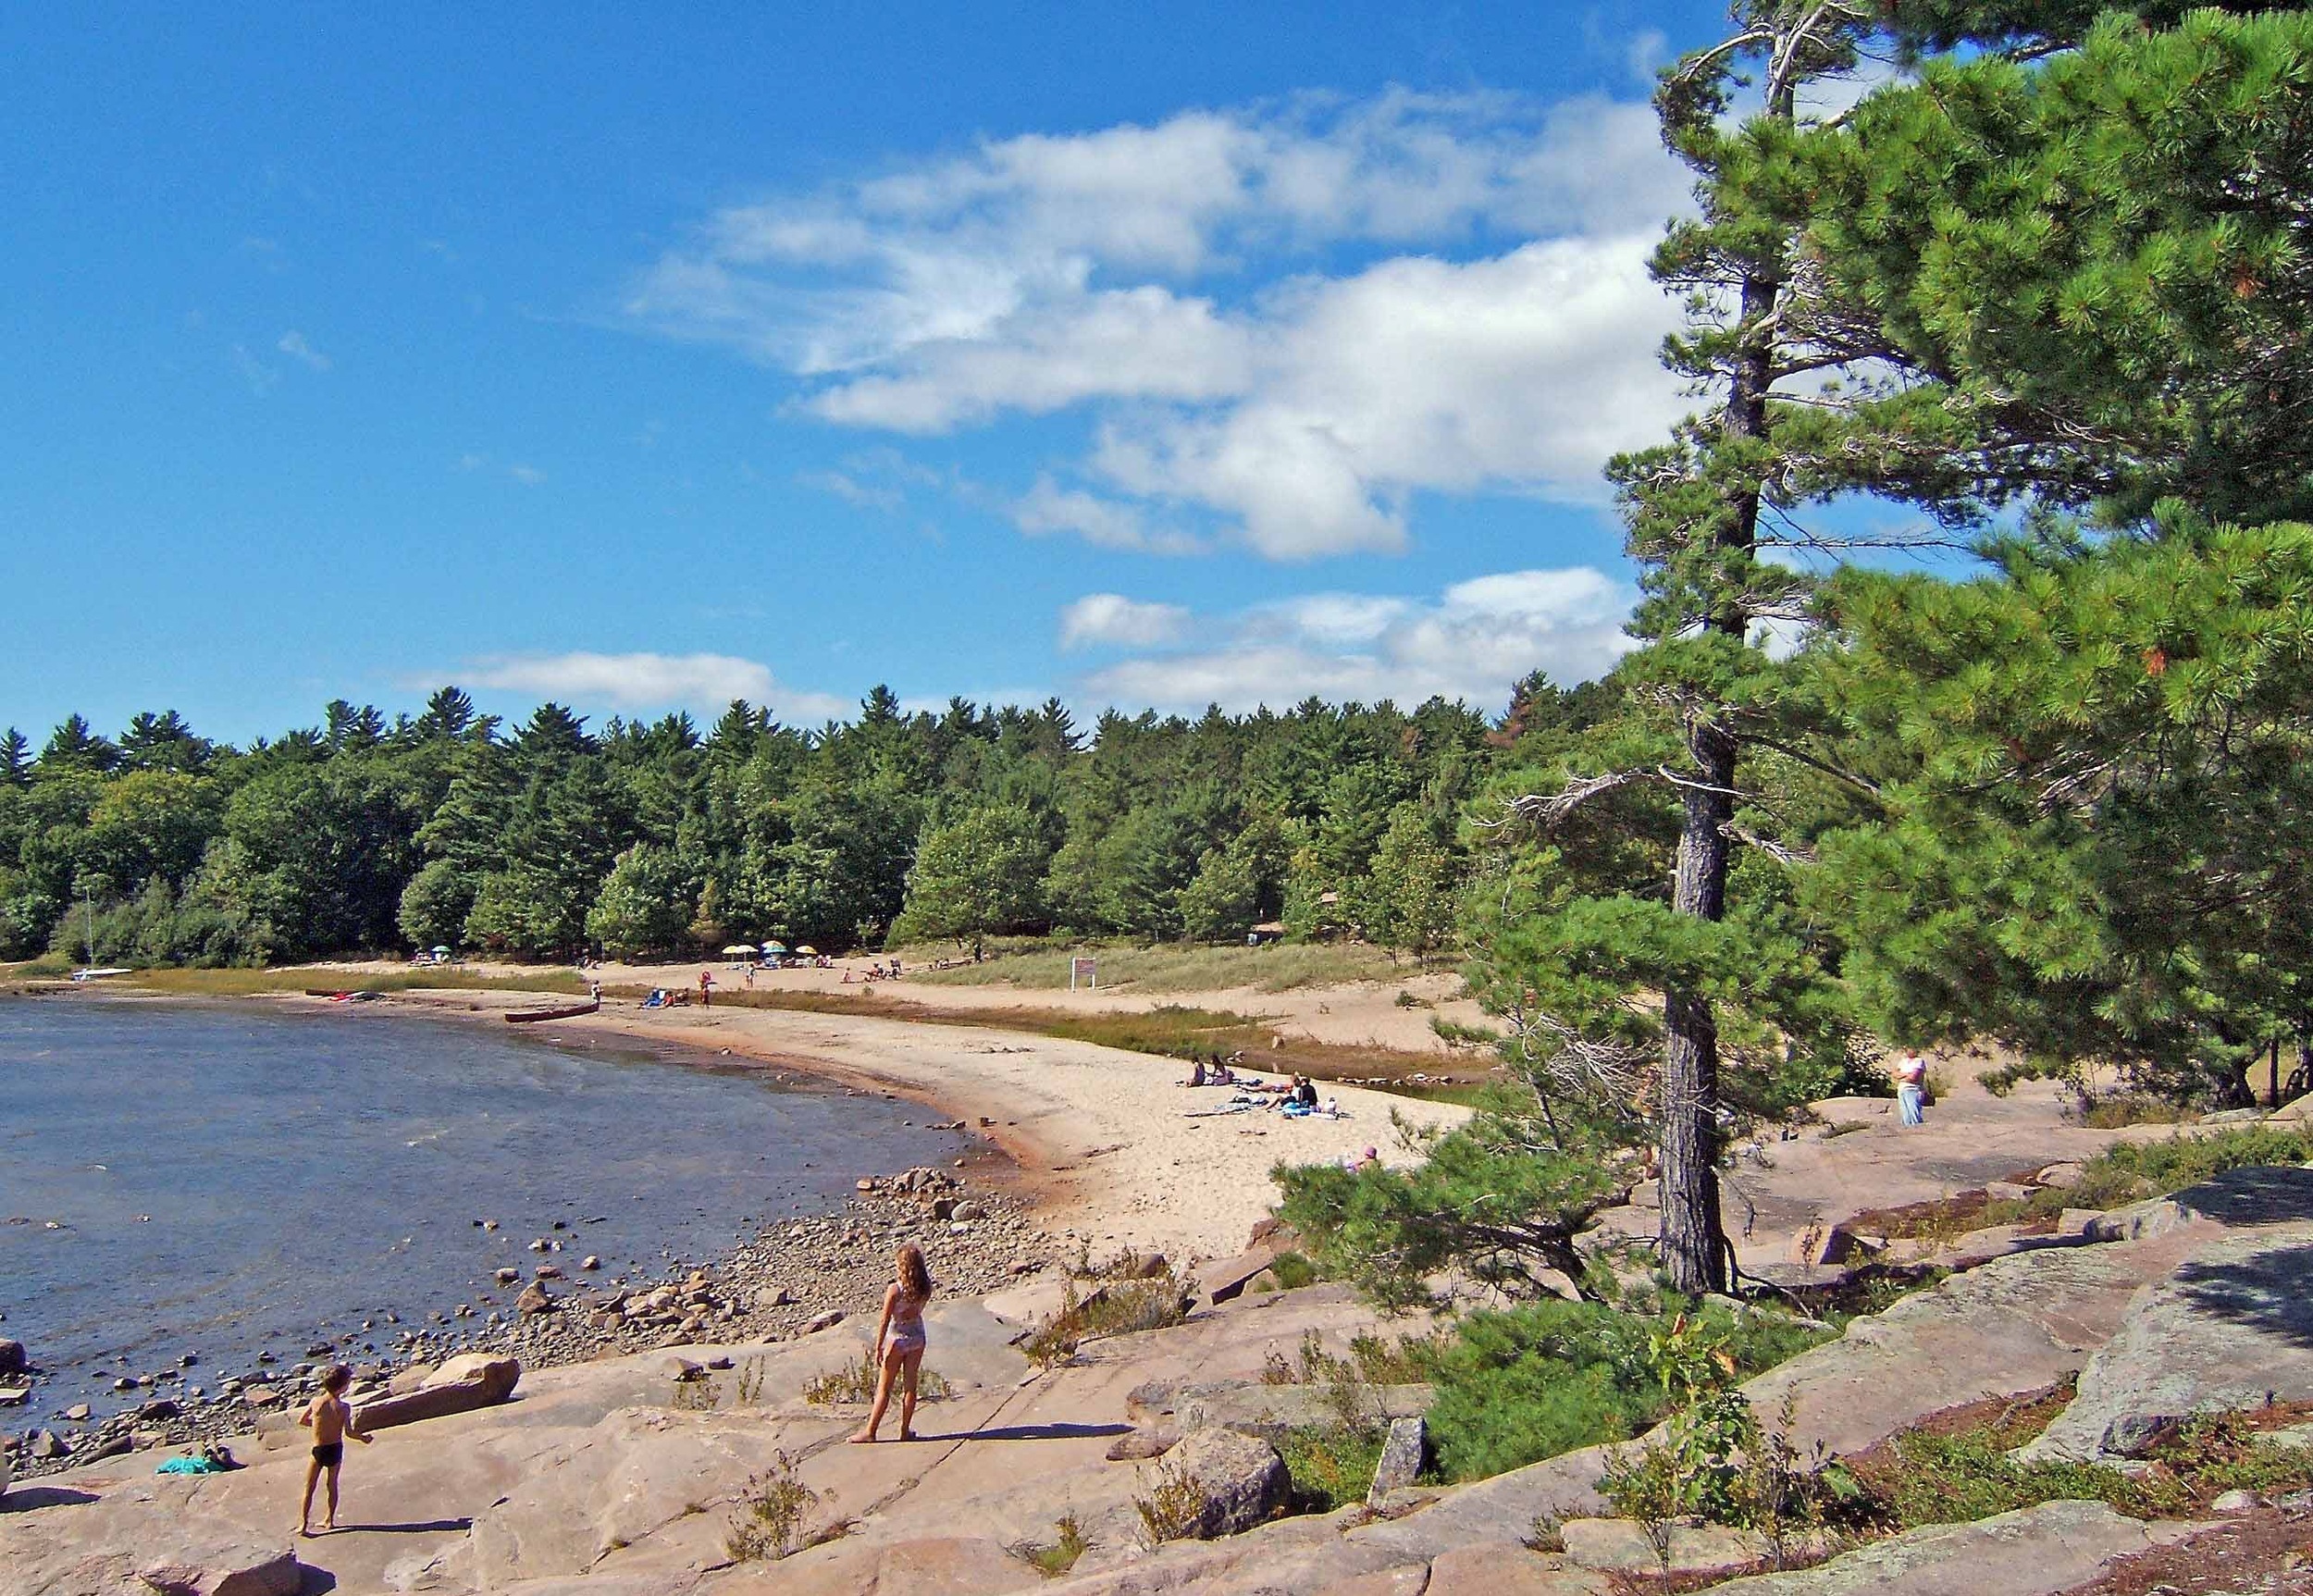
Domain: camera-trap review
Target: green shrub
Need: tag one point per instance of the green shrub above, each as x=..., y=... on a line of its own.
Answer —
x=855, y=1382
x=1526, y=1383
x=1115, y=1307
x=2184, y=1160
x=1293, y=1269
x=1331, y=1466
x=1054, y=1557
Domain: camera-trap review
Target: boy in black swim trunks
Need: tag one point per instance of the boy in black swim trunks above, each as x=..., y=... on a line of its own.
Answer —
x=331, y=1421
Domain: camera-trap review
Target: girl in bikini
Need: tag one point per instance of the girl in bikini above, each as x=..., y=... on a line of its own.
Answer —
x=899, y=1342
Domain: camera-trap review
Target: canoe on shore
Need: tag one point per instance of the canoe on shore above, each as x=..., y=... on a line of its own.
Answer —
x=337, y=995
x=567, y=1011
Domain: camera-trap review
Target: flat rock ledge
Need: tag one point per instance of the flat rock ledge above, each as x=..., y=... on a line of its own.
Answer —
x=189, y=1562
x=2232, y=1328
x=2033, y=1552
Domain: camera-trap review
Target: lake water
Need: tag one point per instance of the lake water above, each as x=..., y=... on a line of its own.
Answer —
x=227, y=1179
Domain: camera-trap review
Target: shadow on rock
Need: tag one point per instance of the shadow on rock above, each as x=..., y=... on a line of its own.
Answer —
x=2270, y=1291
x=28, y=1498
x=1033, y=1432
x=2267, y=1194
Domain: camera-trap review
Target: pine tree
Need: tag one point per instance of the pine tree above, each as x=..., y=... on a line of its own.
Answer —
x=16, y=764
x=1694, y=509
x=74, y=748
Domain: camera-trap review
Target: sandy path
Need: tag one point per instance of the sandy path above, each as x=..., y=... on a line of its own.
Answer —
x=1099, y=1135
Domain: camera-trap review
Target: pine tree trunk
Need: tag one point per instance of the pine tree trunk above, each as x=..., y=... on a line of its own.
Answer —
x=1693, y=1241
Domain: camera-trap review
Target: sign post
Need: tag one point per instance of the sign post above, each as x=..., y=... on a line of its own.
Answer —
x=1086, y=969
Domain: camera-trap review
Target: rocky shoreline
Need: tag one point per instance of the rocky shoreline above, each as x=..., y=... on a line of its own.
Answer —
x=794, y=1276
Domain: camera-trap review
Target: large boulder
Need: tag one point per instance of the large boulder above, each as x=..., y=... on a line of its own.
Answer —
x=2232, y=1328
x=1240, y=1478
x=465, y=1383
x=12, y=1358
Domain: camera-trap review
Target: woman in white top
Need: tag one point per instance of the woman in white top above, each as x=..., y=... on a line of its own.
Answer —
x=1911, y=1086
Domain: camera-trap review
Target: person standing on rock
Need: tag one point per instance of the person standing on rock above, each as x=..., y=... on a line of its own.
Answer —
x=1911, y=1086
x=331, y=1421
x=899, y=1342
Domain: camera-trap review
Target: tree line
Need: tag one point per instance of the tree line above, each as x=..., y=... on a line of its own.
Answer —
x=547, y=840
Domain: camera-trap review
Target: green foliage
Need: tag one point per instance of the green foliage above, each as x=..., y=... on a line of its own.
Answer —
x=2184, y=1160
x=977, y=877
x=2094, y=770
x=1331, y=1466
x=1521, y=1385
x=856, y=1382
x=1054, y=1557
x=1111, y=1308
x=645, y=906
x=434, y=905
x=1503, y=1196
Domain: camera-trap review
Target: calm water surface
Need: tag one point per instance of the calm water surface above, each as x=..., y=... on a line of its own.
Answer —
x=225, y=1179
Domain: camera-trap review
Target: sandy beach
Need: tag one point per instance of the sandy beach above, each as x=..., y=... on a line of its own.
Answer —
x=1101, y=1141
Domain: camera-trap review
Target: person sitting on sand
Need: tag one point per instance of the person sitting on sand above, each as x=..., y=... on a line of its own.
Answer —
x=331, y=1421
x=1307, y=1091
x=1196, y=1074
x=899, y=1342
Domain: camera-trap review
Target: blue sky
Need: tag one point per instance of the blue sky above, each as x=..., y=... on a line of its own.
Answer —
x=1147, y=354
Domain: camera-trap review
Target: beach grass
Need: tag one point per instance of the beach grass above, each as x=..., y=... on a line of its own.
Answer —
x=1163, y=968
x=235, y=982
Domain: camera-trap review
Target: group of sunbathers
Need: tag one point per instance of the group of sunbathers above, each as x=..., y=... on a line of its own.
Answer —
x=1296, y=1098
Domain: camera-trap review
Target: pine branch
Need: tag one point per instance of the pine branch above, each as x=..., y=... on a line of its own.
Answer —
x=1552, y=810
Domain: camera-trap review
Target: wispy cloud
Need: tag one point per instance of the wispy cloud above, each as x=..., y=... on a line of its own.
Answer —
x=852, y=491
x=1111, y=618
x=528, y=476
x=1182, y=281
x=262, y=378
x=294, y=344
x=1471, y=643
x=648, y=681
x=1107, y=523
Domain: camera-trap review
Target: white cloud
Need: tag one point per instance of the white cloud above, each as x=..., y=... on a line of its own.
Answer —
x=1470, y=643
x=293, y=343
x=1150, y=274
x=852, y=491
x=653, y=682
x=1048, y=508
x=1113, y=619
x=528, y=476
